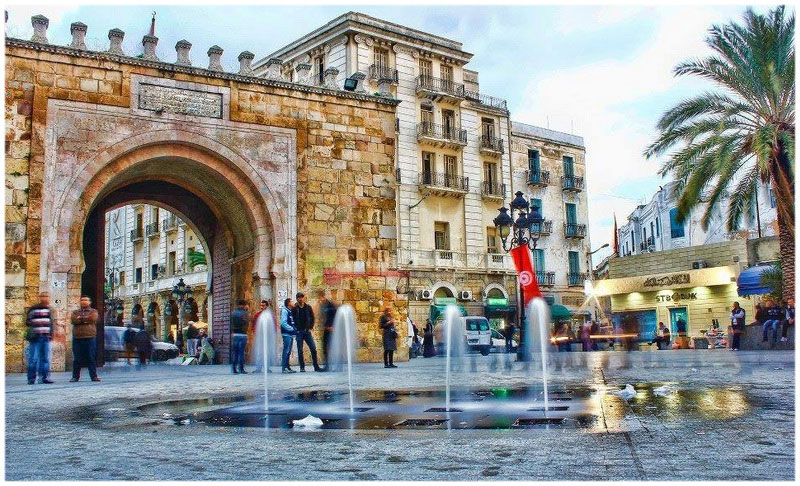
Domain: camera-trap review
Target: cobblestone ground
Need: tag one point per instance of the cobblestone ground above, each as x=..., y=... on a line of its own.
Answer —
x=741, y=428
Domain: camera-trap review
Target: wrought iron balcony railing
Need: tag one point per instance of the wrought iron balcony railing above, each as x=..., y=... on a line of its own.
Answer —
x=492, y=144
x=576, y=279
x=574, y=230
x=493, y=189
x=486, y=100
x=151, y=230
x=543, y=228
x=572, y=183
x=445, y=180
x=445, y=86
x=170, y=223
x=448, y=133
x=546, y=279
x=538, y=178
x=377, y=71
x=137, y=234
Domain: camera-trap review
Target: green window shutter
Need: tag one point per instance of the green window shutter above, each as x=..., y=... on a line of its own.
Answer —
x=571, y=213
x=538, y=260
x=676, y=228
x=533, y=161
x=569, y=166
x=574, y=262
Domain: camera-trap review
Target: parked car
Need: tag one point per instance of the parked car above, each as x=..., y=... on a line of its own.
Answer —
x=478, y=333
x=114, y=345
x=499, y=342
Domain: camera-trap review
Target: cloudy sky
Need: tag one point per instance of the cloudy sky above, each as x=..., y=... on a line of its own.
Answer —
x=601, y=72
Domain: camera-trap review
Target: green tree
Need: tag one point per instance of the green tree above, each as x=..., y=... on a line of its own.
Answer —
x=726, y=140
x=196, y=258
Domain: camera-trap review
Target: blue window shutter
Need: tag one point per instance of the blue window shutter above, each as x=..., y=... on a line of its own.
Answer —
x=676, y=228
x=572, y=217
x=574, y=262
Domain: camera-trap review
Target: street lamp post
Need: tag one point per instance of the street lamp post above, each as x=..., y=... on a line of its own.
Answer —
x=527, y=229
x=179, y=292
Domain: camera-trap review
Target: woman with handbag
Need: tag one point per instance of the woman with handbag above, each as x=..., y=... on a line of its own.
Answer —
x=389, y=337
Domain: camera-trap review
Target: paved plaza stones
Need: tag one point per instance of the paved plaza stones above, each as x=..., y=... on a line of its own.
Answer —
x=84, y=430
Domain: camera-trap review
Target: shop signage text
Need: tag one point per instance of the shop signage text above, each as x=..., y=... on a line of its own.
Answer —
x=681, y=278
x=676, y=296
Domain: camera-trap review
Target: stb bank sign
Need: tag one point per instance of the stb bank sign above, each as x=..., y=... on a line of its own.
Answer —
x=676, y=297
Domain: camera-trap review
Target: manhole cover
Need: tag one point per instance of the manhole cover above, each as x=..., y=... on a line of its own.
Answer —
x=533, y=422
x=421, y=423
x=443, y=410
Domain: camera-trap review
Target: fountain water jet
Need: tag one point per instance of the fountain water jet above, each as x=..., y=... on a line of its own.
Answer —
x=343, y=345
x=265, y=347
x=455, y=342
x=537, y=335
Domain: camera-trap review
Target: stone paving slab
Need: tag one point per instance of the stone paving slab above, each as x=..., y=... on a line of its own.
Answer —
x=47, y=438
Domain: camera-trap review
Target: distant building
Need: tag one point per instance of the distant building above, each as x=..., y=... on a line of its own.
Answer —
x=654, y=226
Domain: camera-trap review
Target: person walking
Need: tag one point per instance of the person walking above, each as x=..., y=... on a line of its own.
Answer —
x=288, y=330
x=586, y=335
x=192, y=339
x=39, y=322
x=129, y=341
x=386, y=324
x=239, y=322
x=428, y=349
x=327, y=311
x=84, y=339
x=144, y=347
x=509, y=335
x=789, y=319
x=774, y=316
x=304, y=321
x=737, y=325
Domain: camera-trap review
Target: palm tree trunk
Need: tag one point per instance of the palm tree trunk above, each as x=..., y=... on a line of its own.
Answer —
x=783, y=187
x=786, y=243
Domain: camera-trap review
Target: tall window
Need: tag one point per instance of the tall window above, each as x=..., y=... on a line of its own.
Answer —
x=154, y=215
x=139, y=223
x=428, y=167
x=449, y=167
x=426, y=117
x=490, y=174
x=449, y=123
x=138, y=275
x=633, y=241
x=171, y=262
x=447, y=73
x=425, y=68
x=651, y=229
x=441, y=235
x=319, y=64
x=538, y=260
x=381, y=58
x=491, y=240
x=574, y=262
x=571, y=213
x=644, y=236
x=154, y=271
x=487, y=128
x=533, y=161
x=676, y=228
x=122, y=278
x=658, y=225
x=569, y=166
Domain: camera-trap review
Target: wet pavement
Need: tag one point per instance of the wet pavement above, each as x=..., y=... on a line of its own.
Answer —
x=694, y=415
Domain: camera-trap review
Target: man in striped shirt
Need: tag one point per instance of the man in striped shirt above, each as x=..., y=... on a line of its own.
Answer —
x=40, y=330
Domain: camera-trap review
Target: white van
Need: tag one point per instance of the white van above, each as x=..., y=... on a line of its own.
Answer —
x=479, y=335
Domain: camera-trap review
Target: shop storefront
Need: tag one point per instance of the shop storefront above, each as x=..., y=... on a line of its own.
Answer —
x=700, y=298
x=499, y=312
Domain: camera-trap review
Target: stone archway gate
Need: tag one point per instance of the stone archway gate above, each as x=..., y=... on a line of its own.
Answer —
x=268, y=157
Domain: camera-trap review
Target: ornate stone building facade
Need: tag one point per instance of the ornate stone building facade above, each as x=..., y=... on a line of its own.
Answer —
x=253, y=165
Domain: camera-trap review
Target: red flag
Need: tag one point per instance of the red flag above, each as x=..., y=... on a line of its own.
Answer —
x=526, y=274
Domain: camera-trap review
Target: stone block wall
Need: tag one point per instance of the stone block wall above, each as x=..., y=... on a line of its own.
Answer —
x=680, y=259
x=345, y=176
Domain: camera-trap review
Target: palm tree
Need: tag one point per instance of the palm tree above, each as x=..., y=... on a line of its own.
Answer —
x=741, y=133
x=196, y=258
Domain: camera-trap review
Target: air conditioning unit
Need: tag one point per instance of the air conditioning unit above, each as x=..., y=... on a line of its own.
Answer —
x=465, y=295
x=698, y=264
x=426, y=294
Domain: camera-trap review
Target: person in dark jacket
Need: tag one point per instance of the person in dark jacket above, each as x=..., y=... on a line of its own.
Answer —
x=789, y=320
x=327, y=310
x=40, y=330
x=288, y=331
x=129, y=341
x=144, y=347
x=239, y=322
x=389, y=337
x=192, y=339
x=508, y=334
x=428, y=349
x=774, y=316
x=737, y=325
x=84, y=339
x=304, y=322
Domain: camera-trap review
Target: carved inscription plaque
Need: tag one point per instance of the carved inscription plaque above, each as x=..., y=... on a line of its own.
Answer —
x=180, y=101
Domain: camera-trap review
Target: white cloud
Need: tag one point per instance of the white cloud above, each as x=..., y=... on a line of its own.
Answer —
x=19, y=17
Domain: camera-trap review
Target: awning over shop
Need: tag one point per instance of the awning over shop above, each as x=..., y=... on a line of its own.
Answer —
x=437, y=312
x=749, y=282
x=559, y=313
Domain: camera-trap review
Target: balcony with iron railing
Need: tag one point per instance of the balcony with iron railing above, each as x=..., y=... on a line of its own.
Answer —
x=489, y=261
x=438, y=89
x=574, y=230
x=151, y=230
x=487, y=101
x=576, y=279
x=491, y=145
x=137, y=234
x=378, y=72
x=441, y=135
x=170, y=223
x=572, y=183
x=538, y=178
x=493, y=190
x=443, y=184
x=544, y=228
x=546, y=279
